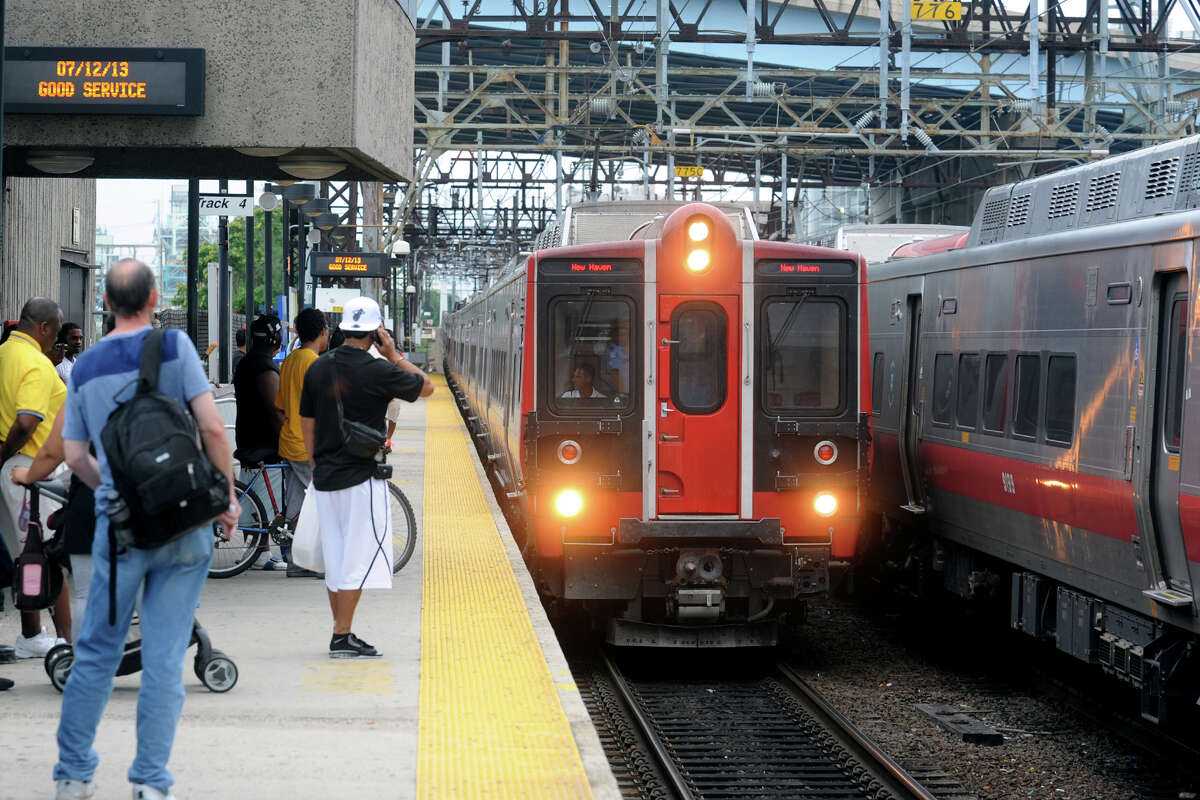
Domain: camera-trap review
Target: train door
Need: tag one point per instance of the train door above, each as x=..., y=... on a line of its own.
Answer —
x=1170, y=383
x=911, y=407
x=698, y=405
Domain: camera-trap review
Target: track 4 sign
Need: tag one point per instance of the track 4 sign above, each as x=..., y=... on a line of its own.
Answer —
x=226, y=205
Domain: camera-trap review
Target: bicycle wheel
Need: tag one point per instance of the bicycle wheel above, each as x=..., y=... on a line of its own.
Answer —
x=234, y=556
x=404, y=528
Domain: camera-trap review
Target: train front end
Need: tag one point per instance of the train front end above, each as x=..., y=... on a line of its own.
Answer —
x=696, y=429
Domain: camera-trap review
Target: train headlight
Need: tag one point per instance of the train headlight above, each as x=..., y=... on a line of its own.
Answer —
x=697, y=260
x=825, y=504
x=568, y=503
x=698, y=230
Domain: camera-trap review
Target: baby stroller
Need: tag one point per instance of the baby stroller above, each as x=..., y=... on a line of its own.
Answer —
x=215, y=670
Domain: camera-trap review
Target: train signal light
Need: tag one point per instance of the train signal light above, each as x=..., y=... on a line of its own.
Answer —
x=825, y=504
x=698, y=230
x=568, y=503
x=825, y=452
x=698, y=260
x=569, y=452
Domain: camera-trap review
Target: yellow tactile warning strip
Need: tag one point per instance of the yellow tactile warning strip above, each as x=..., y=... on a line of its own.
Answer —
x=491, y=724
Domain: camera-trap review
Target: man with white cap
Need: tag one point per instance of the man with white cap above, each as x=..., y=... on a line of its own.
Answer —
x=345, y=390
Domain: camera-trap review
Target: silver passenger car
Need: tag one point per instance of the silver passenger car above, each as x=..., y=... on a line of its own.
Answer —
x=1036, y=425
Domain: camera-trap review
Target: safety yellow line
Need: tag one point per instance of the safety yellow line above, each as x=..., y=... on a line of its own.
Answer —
x=491, y=724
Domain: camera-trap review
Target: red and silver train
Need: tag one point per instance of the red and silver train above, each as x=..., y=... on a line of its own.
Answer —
x=678, y=415
x=1037, y=424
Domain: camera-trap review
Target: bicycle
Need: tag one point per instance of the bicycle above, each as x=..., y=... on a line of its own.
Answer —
x=231, y=557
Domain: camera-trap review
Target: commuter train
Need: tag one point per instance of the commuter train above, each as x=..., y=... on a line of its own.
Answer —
x=676, y=413
x=1033, y=406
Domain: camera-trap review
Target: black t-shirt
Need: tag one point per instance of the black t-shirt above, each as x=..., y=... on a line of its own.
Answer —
x=255, y=428
x=368, y=384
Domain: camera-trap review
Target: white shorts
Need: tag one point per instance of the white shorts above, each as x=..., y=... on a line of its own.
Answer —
x=356, y=536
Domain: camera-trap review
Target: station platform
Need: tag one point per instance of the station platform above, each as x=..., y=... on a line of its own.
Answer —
x=472, y=697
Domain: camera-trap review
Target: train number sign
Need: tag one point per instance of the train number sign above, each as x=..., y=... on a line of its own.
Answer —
x=104, y=80
x=936, y=11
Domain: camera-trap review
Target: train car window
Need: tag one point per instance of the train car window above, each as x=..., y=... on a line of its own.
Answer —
x=1025, y=399
x=995, y=392
x=943, y=388
x=698, y=361
x=877, y=383
x=590, y=342
x=802, y=355
x=1176, y=373
x=967, y=410
x=1060, y=400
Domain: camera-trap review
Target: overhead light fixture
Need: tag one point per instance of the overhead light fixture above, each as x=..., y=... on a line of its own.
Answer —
x=326, y=221
x=264, y=152
x=313, y=168
x=268, y=200
x=299, y=193
x=316, y=207
x=401, y=248
x=59, y=162
x=314, y=236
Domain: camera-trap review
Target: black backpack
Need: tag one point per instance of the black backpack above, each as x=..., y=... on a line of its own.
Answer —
x=165, y=484
x=158, y=465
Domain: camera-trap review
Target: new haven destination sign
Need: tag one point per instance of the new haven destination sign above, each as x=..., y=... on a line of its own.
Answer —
x=103, y=80
x=349, y=265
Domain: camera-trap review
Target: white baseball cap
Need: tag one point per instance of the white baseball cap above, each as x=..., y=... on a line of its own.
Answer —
x=361, y=314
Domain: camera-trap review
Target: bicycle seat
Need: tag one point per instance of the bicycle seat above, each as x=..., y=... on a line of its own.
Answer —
x=255, y=459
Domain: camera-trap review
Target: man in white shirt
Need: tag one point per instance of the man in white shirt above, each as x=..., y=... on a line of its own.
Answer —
x=70, y=341
x=583, y=379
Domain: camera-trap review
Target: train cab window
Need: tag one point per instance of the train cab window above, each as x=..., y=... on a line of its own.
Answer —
x=943, y=388
x=877, y=383
x=967, y=407
x=995, y=392
x=1176, y=373
x=590, y=344
x=802, y=358
x=1027, y=385
x=698, y=360
x=1060, y=400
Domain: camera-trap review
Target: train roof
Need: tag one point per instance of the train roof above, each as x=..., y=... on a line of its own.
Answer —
x=1141, y=183
x=620, y=220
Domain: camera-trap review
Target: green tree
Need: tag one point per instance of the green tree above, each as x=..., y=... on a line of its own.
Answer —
x=431, y=301
x=237, y=262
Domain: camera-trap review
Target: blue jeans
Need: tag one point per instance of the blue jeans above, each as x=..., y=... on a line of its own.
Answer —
x=170, y=579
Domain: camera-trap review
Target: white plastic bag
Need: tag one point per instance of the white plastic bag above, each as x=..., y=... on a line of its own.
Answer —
x=306, y=541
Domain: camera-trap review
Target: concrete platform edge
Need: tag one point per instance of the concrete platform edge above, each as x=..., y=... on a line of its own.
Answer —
x=591, y=752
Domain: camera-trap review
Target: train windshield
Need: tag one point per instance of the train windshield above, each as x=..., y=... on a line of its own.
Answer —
x=802, y=358
x=591, y=340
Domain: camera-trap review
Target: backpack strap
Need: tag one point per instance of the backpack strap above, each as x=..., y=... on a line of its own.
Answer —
x=151, y=361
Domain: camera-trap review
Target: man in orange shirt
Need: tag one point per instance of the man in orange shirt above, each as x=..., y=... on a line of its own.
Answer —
x=314, y=336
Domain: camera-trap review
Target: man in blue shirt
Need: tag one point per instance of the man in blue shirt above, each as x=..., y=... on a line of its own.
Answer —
x=170, y=577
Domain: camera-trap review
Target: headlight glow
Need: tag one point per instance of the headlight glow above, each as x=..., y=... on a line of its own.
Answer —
x=568, y=503
x=825, y=504
x=697, y=260
x=698, y=231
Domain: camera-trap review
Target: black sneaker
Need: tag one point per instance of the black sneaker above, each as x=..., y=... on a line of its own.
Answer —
x=5, y=683
x=347, y=645
x=297, y=571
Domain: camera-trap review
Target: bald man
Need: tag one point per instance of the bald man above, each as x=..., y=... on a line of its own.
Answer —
x=31, y=393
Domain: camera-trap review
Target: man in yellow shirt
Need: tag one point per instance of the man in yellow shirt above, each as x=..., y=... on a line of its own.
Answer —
x=31, y=393
x=314, y=337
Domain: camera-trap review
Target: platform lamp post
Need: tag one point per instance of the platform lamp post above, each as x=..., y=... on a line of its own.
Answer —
x=410, y=312
x=294, y=196
x=400, y=248
x=268, y=201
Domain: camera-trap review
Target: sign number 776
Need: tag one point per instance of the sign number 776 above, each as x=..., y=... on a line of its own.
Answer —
x=937, y=10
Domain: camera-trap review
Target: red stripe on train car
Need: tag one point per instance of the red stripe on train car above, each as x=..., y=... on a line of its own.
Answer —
x=1189, y=518
x=1088, y=502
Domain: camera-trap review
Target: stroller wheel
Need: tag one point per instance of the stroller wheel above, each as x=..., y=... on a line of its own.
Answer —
x=61, y=669
x=53, y=655
x=219, y=674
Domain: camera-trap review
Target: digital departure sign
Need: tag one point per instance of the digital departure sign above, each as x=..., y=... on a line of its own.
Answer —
x=349, y=265
x=103, y=80
x=590, y=266
x=805, y=268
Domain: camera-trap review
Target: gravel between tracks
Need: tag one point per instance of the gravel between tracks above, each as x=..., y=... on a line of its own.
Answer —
x=876, y=666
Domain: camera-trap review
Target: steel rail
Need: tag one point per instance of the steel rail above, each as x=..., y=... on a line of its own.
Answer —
x=861, y=746
x=665, y=762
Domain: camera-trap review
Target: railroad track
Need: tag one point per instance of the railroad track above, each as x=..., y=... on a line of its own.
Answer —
x=768, y=736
